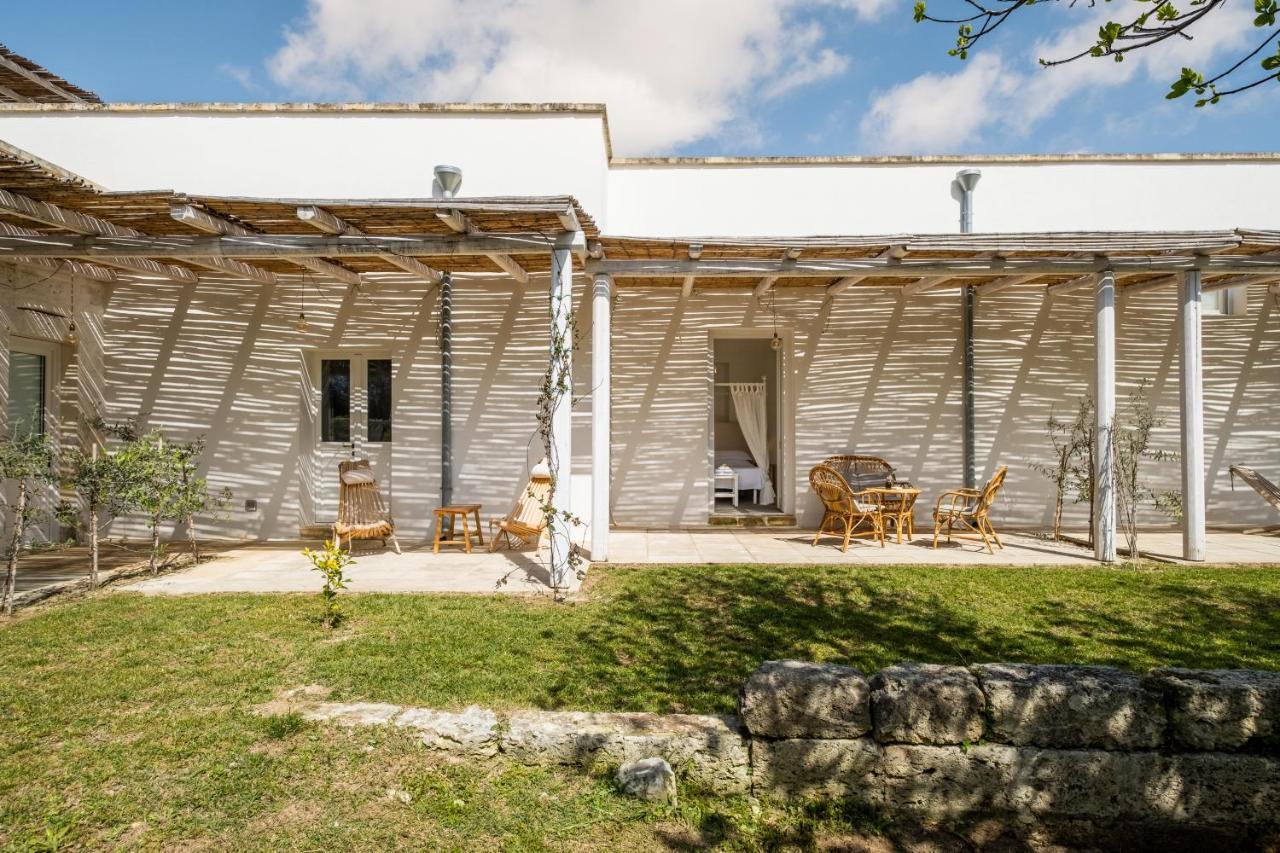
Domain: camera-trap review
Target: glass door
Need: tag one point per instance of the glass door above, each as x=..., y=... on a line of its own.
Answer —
x=33, y=366
x=355, y=420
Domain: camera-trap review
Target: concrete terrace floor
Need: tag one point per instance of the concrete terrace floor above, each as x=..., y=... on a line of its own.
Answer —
x=280, y=568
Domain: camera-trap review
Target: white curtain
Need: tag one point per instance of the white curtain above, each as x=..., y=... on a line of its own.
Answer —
x=749, y=402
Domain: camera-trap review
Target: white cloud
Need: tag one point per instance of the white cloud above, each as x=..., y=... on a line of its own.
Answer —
x=671, y=71
x=944, y=112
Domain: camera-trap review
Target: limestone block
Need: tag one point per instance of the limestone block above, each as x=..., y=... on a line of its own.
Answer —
x=1071, y=707
x=927, y=704
x=472, y=732
x=708, y=751
x=804, y=767
x=794, y=699
x=1222, y=709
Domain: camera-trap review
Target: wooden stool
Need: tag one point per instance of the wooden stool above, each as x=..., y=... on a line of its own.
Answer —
x=453, y=513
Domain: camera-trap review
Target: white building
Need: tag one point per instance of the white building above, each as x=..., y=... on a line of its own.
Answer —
x=696, y=264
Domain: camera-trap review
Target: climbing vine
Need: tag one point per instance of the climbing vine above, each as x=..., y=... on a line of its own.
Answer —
x=557, y=390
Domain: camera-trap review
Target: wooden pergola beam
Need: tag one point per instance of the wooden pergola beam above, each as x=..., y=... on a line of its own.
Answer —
x=461, y=223
x=994, y=287
x=840, y=286
x=923, y=285
x=1080, y=283
x=93, y=271
x=80, y=223
x=324, y=221
x=1240, y=281
x=204, y=221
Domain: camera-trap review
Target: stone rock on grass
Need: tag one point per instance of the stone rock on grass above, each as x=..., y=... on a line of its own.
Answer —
x=830, y=768
x=472, y=732
x=1222, y=709
x=647, y=779
x=710, y=752
x=795, y=699
x=926, y=703
x=352, y=713
x=1071, y=707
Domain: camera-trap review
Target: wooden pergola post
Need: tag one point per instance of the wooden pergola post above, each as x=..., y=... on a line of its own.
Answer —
x=1104, y=342
x=1191, y=385
x=601, y=456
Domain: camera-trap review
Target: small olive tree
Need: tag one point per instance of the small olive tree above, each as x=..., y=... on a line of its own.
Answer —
x=1072, y=466
x=106, y=489
x=154, y=476
x=190, y=495
x=25, y=458
x=1134, y=446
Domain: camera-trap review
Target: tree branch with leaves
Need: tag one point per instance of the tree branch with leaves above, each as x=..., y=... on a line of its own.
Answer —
x=1156, y=21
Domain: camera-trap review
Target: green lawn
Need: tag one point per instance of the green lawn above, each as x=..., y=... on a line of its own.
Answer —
x=126, y=720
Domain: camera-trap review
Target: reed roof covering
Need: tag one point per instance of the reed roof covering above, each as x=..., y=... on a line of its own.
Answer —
x=916, y=262
x=24, y=81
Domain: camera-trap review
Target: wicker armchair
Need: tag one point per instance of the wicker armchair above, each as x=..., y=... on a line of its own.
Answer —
x=862, y=472
x=844, y=510
x=969, y=510
x=361, y=512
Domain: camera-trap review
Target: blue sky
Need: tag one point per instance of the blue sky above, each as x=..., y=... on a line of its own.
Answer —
x=708, y=77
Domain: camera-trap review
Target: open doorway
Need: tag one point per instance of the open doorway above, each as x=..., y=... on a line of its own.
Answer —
x=745, y=427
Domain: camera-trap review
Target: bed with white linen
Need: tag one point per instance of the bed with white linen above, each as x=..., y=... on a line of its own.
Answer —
x=750, y=476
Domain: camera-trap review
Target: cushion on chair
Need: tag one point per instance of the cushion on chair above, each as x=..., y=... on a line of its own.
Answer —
x=357, y=477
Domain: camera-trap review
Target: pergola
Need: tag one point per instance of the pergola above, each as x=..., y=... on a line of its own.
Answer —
x=50, y=217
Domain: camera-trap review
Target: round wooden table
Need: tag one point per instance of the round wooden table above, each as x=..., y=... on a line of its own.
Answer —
x=899, y=504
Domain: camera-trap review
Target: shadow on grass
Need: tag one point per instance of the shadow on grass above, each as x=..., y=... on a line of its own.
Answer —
x=685, y=639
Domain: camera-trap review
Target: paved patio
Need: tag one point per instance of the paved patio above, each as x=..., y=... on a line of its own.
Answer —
x=280, y=568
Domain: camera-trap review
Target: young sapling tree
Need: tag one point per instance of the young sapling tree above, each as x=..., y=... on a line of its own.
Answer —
x=25, y=458
x=106, y=491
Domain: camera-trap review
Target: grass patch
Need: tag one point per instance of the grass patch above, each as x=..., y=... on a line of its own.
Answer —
x=126, y=721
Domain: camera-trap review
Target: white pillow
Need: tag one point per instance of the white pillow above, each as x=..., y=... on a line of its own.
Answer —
x=729, y=456
x=357, y=477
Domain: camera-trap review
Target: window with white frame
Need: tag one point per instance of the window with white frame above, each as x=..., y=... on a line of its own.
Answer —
x=1227, y=302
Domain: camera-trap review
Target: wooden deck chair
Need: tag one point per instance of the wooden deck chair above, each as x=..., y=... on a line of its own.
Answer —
x=526, y=522
x=969, y=510
x=844, y=510
x=361, y=512
x=1266, y=489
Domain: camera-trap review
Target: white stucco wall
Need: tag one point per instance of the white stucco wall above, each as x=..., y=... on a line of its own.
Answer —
x=859, y=198
x=224, y=360
x=875, y=373
x=321, y=154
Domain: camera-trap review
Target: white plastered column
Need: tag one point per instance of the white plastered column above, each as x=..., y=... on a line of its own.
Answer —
x=560, y=441
x=601, y=455
x=1191, y=386
x=1104, y=342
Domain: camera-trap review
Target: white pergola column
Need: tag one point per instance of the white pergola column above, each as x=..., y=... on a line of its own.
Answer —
x=1191, y=384
x=601, y=454
x=560, y=441
x=1104, y=342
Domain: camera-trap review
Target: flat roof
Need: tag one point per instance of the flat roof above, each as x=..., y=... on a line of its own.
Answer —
x=587, y=108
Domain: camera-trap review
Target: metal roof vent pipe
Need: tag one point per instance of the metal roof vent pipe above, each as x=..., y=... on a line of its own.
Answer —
x=967, y=179
x=448, y=181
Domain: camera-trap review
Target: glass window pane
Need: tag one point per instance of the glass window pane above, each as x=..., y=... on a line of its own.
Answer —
x=26, y=394
x=379, y=389
x=335, y=399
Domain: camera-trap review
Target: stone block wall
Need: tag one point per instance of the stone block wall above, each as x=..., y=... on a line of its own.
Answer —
x=1169, y=749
